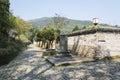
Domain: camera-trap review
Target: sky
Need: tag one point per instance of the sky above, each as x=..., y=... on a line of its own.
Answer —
x=108, y=11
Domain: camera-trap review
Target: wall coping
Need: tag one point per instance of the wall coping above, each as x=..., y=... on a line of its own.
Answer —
x=94, y=30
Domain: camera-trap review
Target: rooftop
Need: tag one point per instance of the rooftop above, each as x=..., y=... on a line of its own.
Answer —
x=94, y=30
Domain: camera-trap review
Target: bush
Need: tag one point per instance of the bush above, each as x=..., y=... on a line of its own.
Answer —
x=9, y=50
x=7, y=56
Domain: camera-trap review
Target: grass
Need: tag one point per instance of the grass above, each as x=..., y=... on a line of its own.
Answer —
x=50, y=53
x=112, y=58
x=116, y=58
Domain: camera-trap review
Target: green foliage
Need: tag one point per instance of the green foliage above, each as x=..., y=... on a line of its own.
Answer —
x=64, y=24
x=9, y=50
x=69, y=23
x=47, y=36
x=38, y=35
x=88, y=27
x=59, y=22
x=75, y=28
x=13, y=32
x=20, y=29
x=57, y=35
x=4, y=18
x=50, y=53
x=84, y=27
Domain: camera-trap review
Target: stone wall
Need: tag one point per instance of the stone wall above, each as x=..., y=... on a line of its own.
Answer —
x=99, y=44
x=112, y=43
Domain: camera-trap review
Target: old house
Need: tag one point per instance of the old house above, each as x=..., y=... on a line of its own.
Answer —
x=95, y=43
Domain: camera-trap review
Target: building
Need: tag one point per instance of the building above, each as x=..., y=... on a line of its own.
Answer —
x=95, y=43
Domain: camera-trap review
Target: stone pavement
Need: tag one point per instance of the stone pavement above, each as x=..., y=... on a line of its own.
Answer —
x=30, y=65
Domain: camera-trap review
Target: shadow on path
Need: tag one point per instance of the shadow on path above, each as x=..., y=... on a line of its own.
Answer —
x=29, y=65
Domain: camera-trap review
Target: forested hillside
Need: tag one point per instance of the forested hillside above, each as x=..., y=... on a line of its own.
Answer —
x=42, y=22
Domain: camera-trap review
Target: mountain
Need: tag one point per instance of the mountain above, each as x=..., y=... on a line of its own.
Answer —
x=42, y=22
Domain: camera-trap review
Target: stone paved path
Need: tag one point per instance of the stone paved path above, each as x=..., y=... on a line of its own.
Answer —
x=31, y=66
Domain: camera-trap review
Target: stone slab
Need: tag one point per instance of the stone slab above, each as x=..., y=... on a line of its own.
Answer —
x=62, y=60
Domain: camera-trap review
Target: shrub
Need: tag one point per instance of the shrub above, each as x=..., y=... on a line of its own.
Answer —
x=9, y=50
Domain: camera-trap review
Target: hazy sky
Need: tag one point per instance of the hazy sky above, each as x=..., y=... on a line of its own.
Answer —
x=108, y=11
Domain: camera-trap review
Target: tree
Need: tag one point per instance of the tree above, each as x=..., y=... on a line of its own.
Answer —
x=84, y=27
x=47, y=36
x=116, y=26
x=4, y=19
x=31, y=33
x=57, y=35
x=38, y=36
x=22, y=27
x=59, y=22
x=10, y=27
x=88, y=27
x=75, y=28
